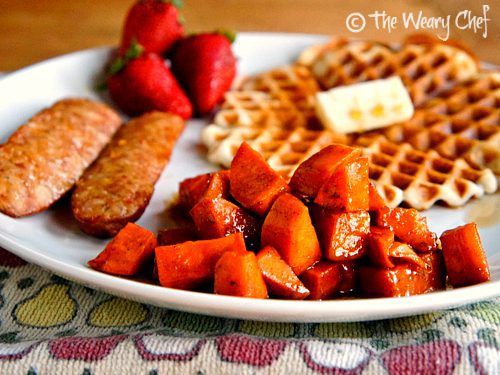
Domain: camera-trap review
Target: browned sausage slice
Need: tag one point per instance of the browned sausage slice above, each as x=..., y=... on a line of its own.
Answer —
x=117, y=188
x=45, y=157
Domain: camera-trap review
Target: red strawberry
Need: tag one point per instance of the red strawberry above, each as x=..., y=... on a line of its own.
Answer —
x=145, y=84
x=205, y=66
x=154, y=24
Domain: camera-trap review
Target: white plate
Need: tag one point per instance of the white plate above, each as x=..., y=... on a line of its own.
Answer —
x=52, y=240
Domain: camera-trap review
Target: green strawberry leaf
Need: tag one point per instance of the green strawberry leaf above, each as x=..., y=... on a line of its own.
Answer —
x=117, y=65
x=134, y=51
x=229, y=34
x=101, y=86
x=176, y=3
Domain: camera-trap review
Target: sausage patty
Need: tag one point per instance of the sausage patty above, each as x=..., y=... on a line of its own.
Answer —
x=117, y=188
x=45, y=157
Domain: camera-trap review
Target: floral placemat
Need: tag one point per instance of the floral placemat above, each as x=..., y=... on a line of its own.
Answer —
x=52, y=326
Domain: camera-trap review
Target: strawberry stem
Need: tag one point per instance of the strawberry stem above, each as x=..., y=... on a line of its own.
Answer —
x=134, y=51
x=229, y=34
x=176, y=3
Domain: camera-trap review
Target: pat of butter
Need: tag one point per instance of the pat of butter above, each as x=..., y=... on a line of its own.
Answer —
x=364, y=106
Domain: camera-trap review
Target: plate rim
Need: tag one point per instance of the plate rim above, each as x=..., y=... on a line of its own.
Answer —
x=276, y=310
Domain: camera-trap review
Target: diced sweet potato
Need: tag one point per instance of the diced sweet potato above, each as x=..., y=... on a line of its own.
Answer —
x=278, y=275
x=380, y=241
x=173, y=236
x=375, y=199
x=238, y=274
x=128, y=253
x=347, y=189
x=409, y=226
x=436, y=271
x=404, y=279
x=464, y=256
x=210, y=185
x=401, y=252
x=343, y=236
x=349, y=281
x=288, y=228
x=253, y=183
x=315, y=171
x=215, y=218
x=326, y=279
x=190, y=265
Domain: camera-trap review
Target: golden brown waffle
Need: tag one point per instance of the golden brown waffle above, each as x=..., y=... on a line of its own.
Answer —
x=422, y=178
x=284, y=149
x=426, y=69
x=462, y=123
x=281, y=97
x=400, y=172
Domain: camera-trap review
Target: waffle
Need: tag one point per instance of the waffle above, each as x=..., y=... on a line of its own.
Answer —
x=422, y=178
x=400, y=172
x=426, y=69
x=281, y=97
x=284, y=149
x=462, y=123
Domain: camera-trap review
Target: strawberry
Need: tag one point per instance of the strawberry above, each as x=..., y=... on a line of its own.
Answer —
x=154, y=24
x=205, y=66
x=142, y=82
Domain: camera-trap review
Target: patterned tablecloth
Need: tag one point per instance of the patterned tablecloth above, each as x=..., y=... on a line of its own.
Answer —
x=52, y=326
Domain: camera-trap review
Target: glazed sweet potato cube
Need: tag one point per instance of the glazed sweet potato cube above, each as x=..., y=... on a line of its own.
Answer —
x=288, y=228
x=349, y=281
x=190, y=265
x=312, y=174
x=343, y=236
x=210, y=185
x=404, y=279
x=326, y=280
x=402, y=253
x=375, y=199
x=464, y=256
x=409, y=226
x=173, y=236
x=347, y=189
x=128, y=253
x=380, y=242
x=278, y=275
x=215, y=218
x=253, y=183
x=238, y=274
x=436, y=270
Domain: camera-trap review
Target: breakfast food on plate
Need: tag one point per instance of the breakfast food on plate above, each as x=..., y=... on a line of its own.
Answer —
x=43, y=159
x=460, y=123
x=426, y=69
x=139, y=79
x=283, y=149
x=205, y=66
x=145, y=83
x=116, y=189
x=118, y=259
x=400, y=172
x=281, y=97
x=446, y=151
x=327, y=235
x=464, y=256
x=153, y=24
x=364, y=106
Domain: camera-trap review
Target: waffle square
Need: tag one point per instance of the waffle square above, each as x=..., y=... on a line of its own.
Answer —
x=426, y=69
x=400, y=172
x=283, y=97
x=461, y=123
